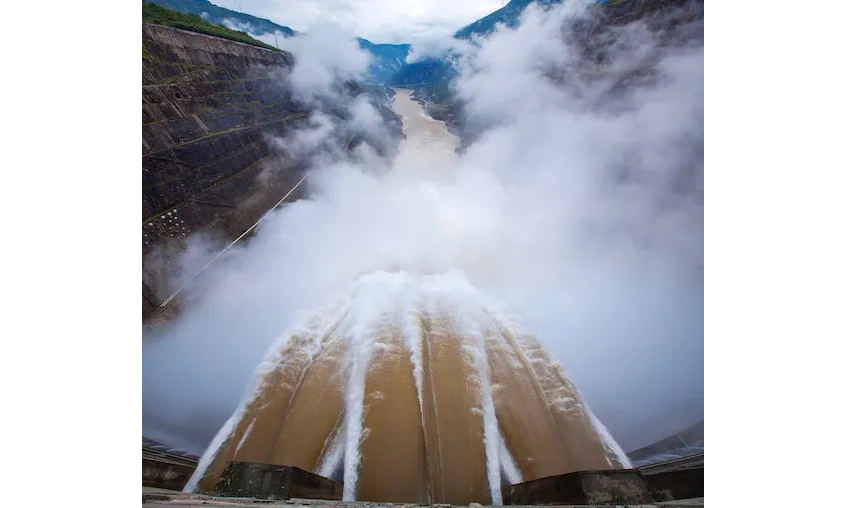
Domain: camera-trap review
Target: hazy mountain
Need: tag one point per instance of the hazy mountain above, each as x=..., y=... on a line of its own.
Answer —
x=388, y=65
x=508, y=15
x=216, y=14
x=437, y=70
x=388, y=59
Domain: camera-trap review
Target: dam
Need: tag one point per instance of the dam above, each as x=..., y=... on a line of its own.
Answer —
x=360, y=346
x=413, y=387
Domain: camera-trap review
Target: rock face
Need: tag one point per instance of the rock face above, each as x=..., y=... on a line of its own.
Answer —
x=413, y=390
x=211, y=108
x=208, y=105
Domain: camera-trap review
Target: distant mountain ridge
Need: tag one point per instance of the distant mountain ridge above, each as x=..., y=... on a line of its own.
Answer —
x=216, y=14
x=156, y=14
x=388, y=65
x=387, y=60
x=433, y=71
x=508, y=15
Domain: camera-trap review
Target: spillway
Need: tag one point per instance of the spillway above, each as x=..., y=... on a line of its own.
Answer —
x=413, y=387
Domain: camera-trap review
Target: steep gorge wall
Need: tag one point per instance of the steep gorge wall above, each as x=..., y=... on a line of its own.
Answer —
x=209, y=106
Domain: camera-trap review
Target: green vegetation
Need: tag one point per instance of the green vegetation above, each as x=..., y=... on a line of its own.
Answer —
x=159, y=15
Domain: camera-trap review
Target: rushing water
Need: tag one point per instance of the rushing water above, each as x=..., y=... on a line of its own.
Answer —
x=413, y=387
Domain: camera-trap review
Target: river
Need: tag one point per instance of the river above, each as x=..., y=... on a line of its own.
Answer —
x=428, y=145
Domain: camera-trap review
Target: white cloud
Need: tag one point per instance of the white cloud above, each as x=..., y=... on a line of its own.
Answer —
x=325, y=54
x=273, y=39
x=437, y=46
x=234, y=24
x=380, y=21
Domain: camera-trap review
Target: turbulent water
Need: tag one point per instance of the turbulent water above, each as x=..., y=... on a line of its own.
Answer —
x=413, y=387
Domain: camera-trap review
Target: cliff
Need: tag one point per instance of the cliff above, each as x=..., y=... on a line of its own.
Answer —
x=208, y=105
x=210, y=110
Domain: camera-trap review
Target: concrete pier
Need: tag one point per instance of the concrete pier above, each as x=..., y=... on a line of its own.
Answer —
x=160, y=498
x=271, y=481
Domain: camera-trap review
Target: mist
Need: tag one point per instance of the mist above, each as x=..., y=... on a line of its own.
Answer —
x=579, y=205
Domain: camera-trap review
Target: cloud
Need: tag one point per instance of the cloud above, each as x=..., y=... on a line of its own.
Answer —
x=242, y=26
x=326, y=55
x=605, y=173
x=269, y=38
x=437, y=46
x=381, y=21
x=579, y=205
x=237, y=25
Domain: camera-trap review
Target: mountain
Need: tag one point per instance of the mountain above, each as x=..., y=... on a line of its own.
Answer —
x=425, y=72
x=154, y=13
x=216, y=14
x=387, y=58
x=435, y=71
x=508, y=15
x=387, y=61
x=440, y=70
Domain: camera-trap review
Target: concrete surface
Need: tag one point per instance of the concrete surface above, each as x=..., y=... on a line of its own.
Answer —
x=678, y=484
x=583, y=487
x=161, y=498
x=164, y=474
x=270, y=481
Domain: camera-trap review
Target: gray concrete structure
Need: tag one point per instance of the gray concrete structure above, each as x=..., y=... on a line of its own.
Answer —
x=677, y=484
x=165, y=467
x=164, y=474
x=271, y=481
x=583, y=487
x=160, y=498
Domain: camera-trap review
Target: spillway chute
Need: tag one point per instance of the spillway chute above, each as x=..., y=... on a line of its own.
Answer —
x=418, y=388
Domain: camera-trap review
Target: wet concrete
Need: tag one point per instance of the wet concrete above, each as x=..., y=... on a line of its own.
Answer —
x=585, y=487
x=160, y=498
x=269, y=481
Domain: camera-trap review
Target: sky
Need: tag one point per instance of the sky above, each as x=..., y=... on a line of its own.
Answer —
x=379, y=21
